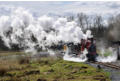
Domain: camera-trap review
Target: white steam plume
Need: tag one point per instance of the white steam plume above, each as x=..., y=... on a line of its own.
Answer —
x=109, y=55
x=30, y=33
x=20, y=27
x=79, y=58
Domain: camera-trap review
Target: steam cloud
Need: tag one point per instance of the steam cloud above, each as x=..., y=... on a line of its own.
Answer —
x=30, y=33
x=21, y=28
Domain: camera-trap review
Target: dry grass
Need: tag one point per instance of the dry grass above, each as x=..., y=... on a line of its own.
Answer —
x=3, y=70
x=9, y=65
x=47, y=69
x=7, y=53
x=5, y=66
x=24, y=60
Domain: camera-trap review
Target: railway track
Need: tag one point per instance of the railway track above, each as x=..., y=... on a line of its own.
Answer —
x=108, y=65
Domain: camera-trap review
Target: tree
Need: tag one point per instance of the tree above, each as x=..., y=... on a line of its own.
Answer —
x=114, y=28
x=70, y=18
x=83, y=21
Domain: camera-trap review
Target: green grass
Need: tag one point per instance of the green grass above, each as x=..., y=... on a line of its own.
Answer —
x=49, y=69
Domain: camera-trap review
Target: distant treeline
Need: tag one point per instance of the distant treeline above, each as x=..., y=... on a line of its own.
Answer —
x=106, y=29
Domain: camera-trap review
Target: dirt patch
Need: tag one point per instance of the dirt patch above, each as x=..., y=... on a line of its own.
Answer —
x=14, y=79
x=32, y=72
x=24, y=61
x=74, y=70
x=99, y=77
x=51, y=70
x=41, y=80
x=83, y=67
x=3, y=71
x=69, y=78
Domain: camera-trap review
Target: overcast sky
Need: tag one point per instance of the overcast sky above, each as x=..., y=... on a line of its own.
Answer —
x=63, y=8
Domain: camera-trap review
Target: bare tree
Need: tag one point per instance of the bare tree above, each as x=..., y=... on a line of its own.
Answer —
x=70, y=18
x=98, y=22
x=83, y=21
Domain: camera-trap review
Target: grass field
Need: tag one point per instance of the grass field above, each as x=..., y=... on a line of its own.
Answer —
x=48, y=69
x=7, y=53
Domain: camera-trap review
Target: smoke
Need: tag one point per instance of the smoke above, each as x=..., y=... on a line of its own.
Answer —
x=20, y=27
x=105, y=52
x=107, y=55
x=79, y=58
x=30, y=33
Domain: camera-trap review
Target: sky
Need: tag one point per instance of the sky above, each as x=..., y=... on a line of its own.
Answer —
x=39, y=8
